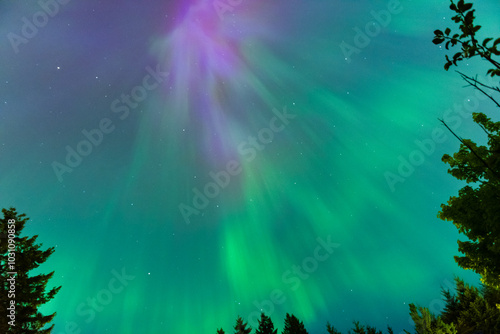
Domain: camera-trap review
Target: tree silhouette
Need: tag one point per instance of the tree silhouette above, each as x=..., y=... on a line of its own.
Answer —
x=467, y=39
x=293, y=325
x=427, y=323
x=472, y=310
x=469, y=310
x=476, y=209
x=266, y=325
x=241, y=327
x=331, y=330
x=358, y=329
x=22, y=291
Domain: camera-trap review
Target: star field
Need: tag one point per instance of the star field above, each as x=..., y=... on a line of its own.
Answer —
x=195, y=161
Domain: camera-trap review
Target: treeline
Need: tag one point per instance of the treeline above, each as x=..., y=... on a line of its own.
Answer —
x=468, y=310
x=293, y=325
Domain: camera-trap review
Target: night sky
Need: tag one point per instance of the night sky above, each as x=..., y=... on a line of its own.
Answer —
x=194, y=161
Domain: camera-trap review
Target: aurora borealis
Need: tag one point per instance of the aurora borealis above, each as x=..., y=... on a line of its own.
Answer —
x=194, y=161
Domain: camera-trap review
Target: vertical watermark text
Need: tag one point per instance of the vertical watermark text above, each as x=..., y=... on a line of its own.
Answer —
x=11, y=273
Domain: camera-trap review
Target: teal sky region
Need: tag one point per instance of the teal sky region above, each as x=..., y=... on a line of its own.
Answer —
x=195, y=161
